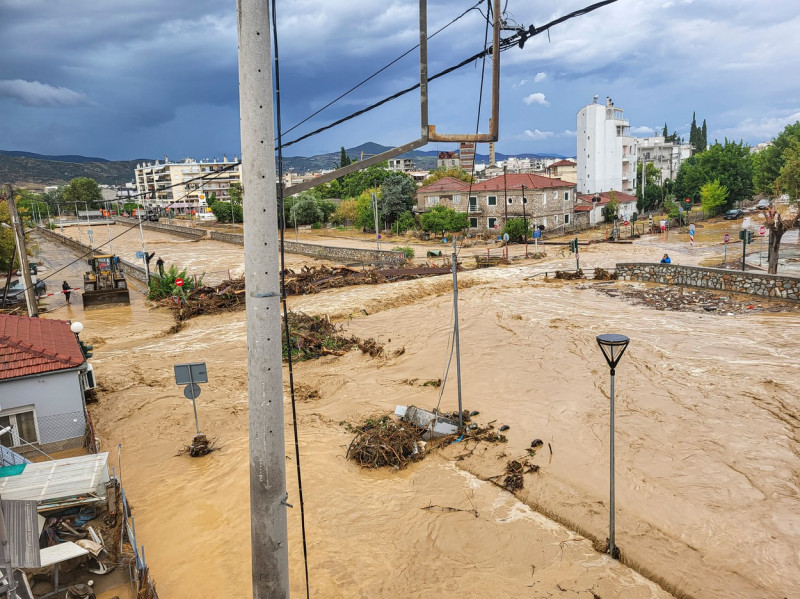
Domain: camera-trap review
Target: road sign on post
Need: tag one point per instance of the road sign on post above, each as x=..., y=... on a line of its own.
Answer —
x=190, y=374
x=762, y=230
x=179, y=282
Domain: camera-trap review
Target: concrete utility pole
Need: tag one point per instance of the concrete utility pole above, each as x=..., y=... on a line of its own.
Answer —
x=22, y=253
x=268, y=531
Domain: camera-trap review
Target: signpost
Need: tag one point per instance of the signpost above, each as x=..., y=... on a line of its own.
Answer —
x=762, y=230
x=726, y=238
x=179, y=282
x=691, y=234
x=190, y=374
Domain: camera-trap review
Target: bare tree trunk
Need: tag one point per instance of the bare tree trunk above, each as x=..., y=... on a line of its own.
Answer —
x=775, y=234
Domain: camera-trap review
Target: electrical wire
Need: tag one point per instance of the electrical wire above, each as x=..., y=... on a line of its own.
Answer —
x=379, y=71
x=517, y=39
x=133, y=226
x=277, y=76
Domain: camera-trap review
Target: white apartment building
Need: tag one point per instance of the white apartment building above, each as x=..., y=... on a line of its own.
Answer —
x=401, y=165
x=187, y=184
x=666, y=156
x=607, y=153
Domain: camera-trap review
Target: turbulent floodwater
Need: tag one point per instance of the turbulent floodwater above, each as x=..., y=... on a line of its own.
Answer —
x=707, y=460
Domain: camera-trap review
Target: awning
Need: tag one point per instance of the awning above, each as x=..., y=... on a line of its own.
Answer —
x=58, y=483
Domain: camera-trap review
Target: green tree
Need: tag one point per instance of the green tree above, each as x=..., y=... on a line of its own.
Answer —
x=83, y=189
x=703, y=138
x=454, y=172
x=222, y=212
x=768, y=162
x=691, y=177
x=365, y=218
x=405, y=222
x=397, y=192
x=694, y=132
x=347, y=212
x=789, y=177
x=305, y=210
x=713, y=195
x=732, y=164
x=442, y=218
x=236, y=193
x=330, y=190
x=611, y=210
x=6, y=240
x=516, y=229
x=652, y=189
x=344, y=159
x=161, y=287
x=356, y=183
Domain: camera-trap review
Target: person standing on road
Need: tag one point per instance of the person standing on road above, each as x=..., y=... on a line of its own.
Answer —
x=160, y=265
x=67, y=290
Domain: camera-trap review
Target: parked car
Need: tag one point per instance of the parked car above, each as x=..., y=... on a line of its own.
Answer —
x=734, y=214
x=763, y=204
x=16, y=291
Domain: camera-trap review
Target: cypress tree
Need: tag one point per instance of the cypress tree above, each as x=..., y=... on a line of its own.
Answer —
x=665, y=132
x=703, y=137
x=694, y=138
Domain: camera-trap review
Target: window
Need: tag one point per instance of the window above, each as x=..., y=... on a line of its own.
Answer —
x=23, y=421
x=566, y=219
x=492, y=222
x=566, y=196
x=432, y=200
x=457, y=199
x=473, y=222
x=491, y=200
x=473, y=204
x=544, y=199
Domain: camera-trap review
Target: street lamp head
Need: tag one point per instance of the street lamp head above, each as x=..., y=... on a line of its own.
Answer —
x=612, y=346
x=76, y=327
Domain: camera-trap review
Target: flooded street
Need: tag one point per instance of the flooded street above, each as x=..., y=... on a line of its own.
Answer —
x=707, y=436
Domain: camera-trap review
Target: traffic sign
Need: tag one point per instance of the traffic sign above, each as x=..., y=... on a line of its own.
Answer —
x=192, y=372
x=626, y=223
x=762, y=230
x=191, y=391
x=140, y=254
x=537, y=233
x=726, y=238
x=506, y=237
x=179, y=282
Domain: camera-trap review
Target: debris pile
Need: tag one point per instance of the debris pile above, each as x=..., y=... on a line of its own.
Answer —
x=601, y=274
x=687, y=299
x=515, y=471
x=228, y=296
x=569, y=275
x=314, y=336
x=313, y=279
x=386, y=442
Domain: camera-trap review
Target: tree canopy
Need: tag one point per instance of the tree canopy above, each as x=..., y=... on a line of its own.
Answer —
x=397, y=192
x=83, y=189
x=730, y=163
x=713, y=195
x=454, y=172
x=768, y=162
x=442, y=218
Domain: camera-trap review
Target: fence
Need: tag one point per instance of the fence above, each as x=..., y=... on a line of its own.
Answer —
x=52, y=437
x=139, y=573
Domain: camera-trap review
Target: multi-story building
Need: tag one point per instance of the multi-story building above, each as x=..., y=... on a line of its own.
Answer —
x=401, y=165
x=489, y=204
x=466, y=152
x=185, y=185
x=666, y=156
x=566, y=170
x=448, y=160
x=606, y=151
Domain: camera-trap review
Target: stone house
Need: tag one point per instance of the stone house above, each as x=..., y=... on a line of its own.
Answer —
x=542, y=200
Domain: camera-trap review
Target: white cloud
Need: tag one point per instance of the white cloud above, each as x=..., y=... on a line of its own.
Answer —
x=569, y=133
x=642, y=130
x=536, y=135
x=540, y=77
x=520, y=84
x=33, y=93
x=762, y=129
x=536, y=98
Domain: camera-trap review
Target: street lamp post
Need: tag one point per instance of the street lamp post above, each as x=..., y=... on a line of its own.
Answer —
x=612, y=346
x=525, y=219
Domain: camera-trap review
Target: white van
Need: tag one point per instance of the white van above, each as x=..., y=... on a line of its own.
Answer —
x=205, y=216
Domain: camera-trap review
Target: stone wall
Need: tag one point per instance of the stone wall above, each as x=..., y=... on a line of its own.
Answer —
x=131, y=270
x=159, y=226
x=324, y=252
x=736, y=281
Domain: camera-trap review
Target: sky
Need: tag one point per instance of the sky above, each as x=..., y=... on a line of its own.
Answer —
x=135, y=79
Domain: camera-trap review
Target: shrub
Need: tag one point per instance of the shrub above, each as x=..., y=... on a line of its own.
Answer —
x=408, y=252
x=162, y=287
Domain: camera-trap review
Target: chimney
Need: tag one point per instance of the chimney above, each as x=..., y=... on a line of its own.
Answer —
x=491, y=153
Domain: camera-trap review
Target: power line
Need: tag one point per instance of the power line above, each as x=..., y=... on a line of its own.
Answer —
x=379, y=71
x=517, y=39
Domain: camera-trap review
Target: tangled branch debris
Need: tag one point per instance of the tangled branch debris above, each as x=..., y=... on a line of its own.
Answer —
x=601, y=274
x=569, y=275
x=315, y=336
x=514, y=474
x=386, y=442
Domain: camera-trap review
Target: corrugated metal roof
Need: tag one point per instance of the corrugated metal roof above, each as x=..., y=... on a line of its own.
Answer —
x=43, y=481
x=22, y=528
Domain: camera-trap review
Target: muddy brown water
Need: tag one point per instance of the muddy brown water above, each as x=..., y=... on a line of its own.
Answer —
x=707, y=457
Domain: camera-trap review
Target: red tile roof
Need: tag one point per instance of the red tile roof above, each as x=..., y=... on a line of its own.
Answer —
x=605, y=197
x=563, y=163
x=517, y=180
x=446, y=184
x=35, y=346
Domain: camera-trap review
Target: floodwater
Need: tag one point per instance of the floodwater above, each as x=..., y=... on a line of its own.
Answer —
x=707, y=455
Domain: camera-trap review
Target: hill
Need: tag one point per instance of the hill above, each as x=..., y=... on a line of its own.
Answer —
x=31, y=170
